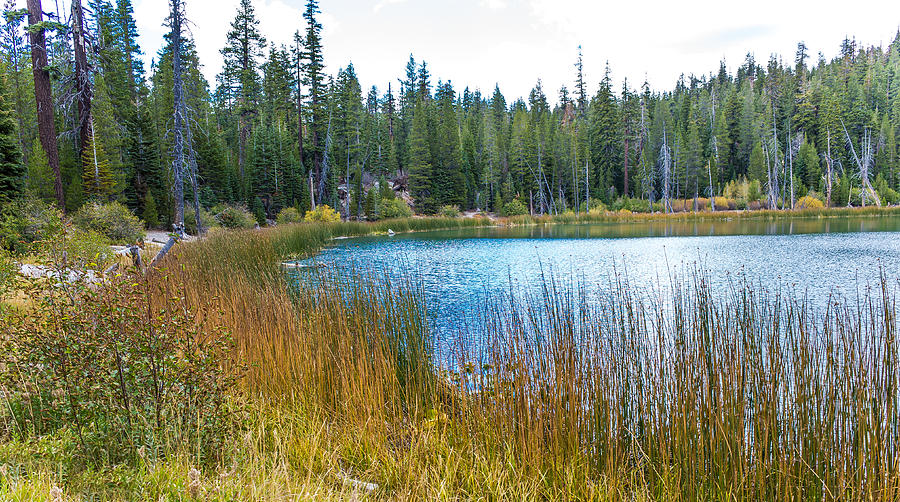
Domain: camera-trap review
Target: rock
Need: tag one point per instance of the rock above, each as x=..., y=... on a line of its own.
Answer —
x=360, y=485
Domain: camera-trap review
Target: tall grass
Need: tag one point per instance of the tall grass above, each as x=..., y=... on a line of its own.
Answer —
x=690, y=393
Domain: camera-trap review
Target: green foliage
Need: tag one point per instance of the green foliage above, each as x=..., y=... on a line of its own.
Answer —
x=323, y=214
x=25, y=224
x=256, y=208
x=372, y=204
x=289, y=215
x=40, y=176
x=97, y=179
x=449, y=211
x=151, y=216
x=112, y=220
x=190, y=220
x=394, y=208
x=754, y=191
x=596, y=206
x=12, y=170
x=514, y=207
x=128, y=377
x=8, y=272
x=234, y=217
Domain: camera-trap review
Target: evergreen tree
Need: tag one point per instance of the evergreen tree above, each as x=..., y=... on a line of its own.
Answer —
x=12, y=170
x=605, y=142
x=314, y=79
x=421, y=175
x=239, y=79
x=97, y=180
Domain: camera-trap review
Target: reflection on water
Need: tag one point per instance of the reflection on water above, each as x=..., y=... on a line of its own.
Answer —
x=459, y=269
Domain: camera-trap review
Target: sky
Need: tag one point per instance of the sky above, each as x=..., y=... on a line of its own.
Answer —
x=513, y=43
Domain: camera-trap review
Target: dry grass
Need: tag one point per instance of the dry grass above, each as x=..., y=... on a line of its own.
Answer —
x=736, y=394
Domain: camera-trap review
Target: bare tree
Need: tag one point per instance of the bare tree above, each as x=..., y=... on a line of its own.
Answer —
x=180, y=153
x=665, y=171
x=864, y=164
x=83, y=92
x=793, y=149
x=829, y=169
x=43, y=95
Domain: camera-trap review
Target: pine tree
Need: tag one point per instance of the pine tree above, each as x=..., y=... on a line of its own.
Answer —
x=420, y=168
x=243, y=47
x=150, y=214
x=38, y=174
x=12, y=170
x=604, y=138
x=757, y=169
x=314, y=79
x=98, y=181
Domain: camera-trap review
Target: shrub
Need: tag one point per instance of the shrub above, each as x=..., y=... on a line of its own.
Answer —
x=256, y=208
x=121, y=372
x=889, y=196
x=632, y=205
x=151, y=215
x=322, y=214
x=85, y=249
x=395, y=208
x=449, y=211
x=26, y=223
x=596, y=206
x=807, y=202
x=235, y=217
x=7, y=272
x=754, y=191
x=514, y=208
x=289, y=215
x=113, y=220
x=723, y=203
x=190, y=220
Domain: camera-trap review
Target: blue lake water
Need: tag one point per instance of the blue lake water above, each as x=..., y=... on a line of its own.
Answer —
x=459, y=269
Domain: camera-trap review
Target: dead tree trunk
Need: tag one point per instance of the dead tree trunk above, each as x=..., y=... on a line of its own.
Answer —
x=829, y=172
x=299, y=68
x=83, y=91
x=43, y=96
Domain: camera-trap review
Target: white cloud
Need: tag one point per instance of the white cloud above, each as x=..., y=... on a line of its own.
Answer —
x=383, y=3
x=494, y=4
x=514, y=42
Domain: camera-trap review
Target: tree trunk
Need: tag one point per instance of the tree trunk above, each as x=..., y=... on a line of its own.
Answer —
x=178, y=162
x=83, y=91
x=627, y=134
x=43, y=97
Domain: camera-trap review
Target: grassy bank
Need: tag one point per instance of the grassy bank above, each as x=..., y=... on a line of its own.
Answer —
x=759, y=214
x=681, y=394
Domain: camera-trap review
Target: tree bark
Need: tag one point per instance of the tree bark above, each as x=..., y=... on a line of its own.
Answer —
x=178, y=162
x=84, y=94
x=43, y=96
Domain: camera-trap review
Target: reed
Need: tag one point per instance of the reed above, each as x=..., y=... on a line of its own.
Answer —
x=683, y=393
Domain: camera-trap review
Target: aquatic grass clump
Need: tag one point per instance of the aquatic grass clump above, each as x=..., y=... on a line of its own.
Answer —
x=746, y=393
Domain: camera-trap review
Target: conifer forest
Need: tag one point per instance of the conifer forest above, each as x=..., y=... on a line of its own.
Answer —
x=281, y=127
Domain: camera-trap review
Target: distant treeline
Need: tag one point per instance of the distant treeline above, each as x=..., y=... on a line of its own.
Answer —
x=279, y=128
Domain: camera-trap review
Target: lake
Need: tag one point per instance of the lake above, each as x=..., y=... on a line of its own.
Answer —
x=813, y=258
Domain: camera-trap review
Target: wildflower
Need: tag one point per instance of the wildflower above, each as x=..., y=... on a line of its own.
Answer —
x=194, y=482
